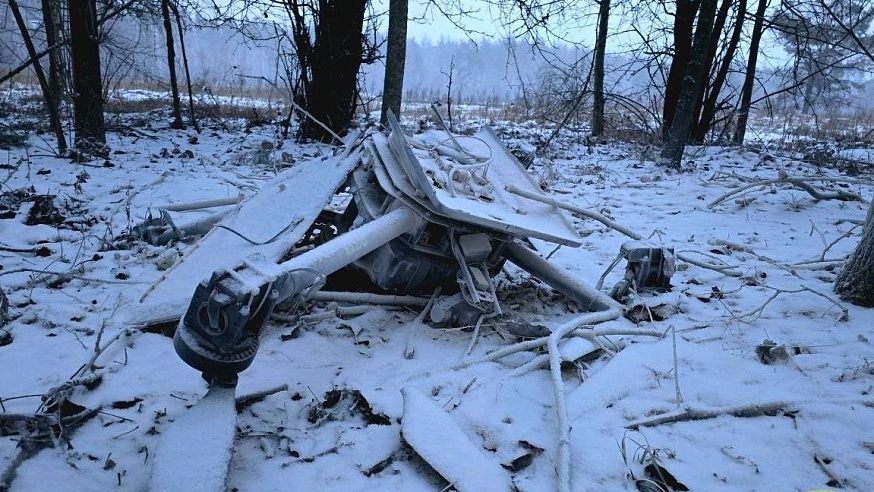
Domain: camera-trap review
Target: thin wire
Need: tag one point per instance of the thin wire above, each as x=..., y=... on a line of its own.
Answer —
x=290, y=225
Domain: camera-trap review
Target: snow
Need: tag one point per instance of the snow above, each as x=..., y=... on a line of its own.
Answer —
x=145, y=391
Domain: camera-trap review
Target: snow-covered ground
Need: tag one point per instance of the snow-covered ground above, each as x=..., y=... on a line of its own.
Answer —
x=801, y=421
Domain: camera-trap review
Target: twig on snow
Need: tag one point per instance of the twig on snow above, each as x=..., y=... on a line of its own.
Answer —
x=756, y=313
x=678, y=395
x=590, y=333
x=836, y=241
x=475, y=335
x=755, y=410
x=833, y=480
x=750, y=251
x=410, y=349
x=802, y=184
x=66, y=275
x=244, y=401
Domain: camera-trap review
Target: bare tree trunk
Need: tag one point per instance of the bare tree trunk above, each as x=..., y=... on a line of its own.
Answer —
x=171, y=66
x=716, y=35
x=708, y=106
x=395, y=59
x=598, y=69
x=50, y=15
x=51, y=103
x=855, y=282
x=678, y=133
x=335, y=59
x=191, y=116
x=683, y=22
x=88, y=122
x=743, y=112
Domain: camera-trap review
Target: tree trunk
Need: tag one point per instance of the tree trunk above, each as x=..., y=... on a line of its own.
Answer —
x=715, y=37
x=683, y=22
x=88, y=121
x=191, y=116
x=678, y=132
x=598, y=69
x=708, y=106
x=395, y=59
x=743, y=112
x=855, y=282
x=51, y=103
x=50, y=17
x=171, y=66
x=336, y=57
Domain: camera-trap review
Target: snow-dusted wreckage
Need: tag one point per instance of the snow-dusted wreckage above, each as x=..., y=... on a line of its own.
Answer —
x=436, y=210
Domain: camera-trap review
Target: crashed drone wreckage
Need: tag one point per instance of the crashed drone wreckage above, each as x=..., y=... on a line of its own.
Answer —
x=425, y=212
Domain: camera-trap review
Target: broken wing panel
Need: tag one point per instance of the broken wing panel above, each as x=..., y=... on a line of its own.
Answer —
x=267, y=224
x=439, y=180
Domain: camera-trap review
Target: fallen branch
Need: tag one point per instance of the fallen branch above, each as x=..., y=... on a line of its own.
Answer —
x=9, y=249
x=564, y=450
x=755, y=410
x=836, y=241
x=813, y=265
x=801, y=183
x=833, y=481
x=750, y=251
x=755, y=314
x=50, y=427
x=244, y=401
x=590, y=333
x=769, y=409
x=66, y=275
x=17, y=424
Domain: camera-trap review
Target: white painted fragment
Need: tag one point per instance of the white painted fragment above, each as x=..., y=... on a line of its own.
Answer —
x=194, y=452
x=438, y=440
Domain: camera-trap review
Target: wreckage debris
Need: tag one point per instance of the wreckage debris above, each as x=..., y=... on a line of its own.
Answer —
x=434, y=215
x=435, y=437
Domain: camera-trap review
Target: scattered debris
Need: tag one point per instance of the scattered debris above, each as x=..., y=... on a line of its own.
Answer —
x=640, y=313
x=769, y=352
x=661, y=478
x=433, y=434
x=44, y=211
x=339, y=404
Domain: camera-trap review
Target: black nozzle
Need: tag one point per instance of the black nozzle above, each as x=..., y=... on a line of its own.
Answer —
x=219, y=333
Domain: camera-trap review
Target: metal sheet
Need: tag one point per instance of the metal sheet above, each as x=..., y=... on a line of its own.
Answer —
x=276, y=218
x=505, y=212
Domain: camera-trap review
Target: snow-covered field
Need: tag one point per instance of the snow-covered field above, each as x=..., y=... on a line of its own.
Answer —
x=796, y=417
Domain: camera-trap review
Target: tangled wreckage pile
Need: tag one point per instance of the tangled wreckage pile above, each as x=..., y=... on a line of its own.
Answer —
x=437, y=213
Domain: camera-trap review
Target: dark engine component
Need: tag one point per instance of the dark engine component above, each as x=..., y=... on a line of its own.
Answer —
x=647, y=268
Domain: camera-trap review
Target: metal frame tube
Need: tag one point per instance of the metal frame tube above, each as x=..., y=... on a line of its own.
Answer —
x=352, y=245
x=582, y=294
